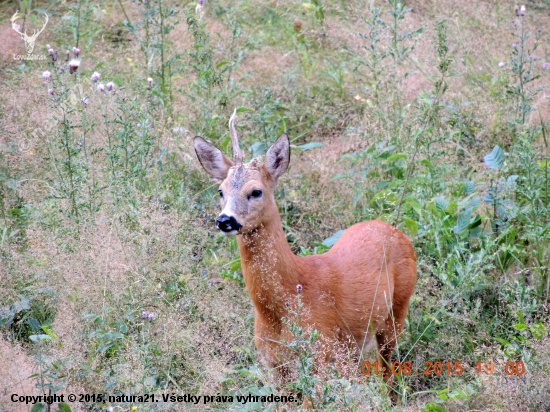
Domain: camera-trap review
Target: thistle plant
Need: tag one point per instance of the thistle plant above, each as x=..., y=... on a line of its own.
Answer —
x=66, y=149
x=151, y=32
x=213, y=88
x=522, y=62
x=77, y=146
x=429, y=108
x=387, y=46
x=304, y=346
x=78, y=18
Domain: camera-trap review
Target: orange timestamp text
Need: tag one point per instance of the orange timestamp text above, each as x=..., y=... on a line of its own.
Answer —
x=437, y=368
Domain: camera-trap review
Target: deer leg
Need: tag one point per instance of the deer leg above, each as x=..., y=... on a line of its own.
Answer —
x=273, y=354
x=387, y=339
x=386, y=345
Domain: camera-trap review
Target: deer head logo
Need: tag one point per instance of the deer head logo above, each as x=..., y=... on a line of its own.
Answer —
x=29, y=40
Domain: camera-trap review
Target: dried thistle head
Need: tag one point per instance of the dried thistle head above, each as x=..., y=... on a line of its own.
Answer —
x=74, y=64
x=520, y=11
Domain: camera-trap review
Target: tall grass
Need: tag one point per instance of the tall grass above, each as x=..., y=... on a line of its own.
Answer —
x=106, y=217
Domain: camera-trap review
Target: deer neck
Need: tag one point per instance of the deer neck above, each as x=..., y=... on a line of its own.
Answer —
x=270, y=269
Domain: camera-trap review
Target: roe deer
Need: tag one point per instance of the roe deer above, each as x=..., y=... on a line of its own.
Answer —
x=360, y=288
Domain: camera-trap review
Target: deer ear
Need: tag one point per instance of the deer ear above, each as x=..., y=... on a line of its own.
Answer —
x=212, y=159
x=277, y=157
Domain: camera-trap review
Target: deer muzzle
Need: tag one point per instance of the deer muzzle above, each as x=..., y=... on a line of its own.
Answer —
x=228, y=225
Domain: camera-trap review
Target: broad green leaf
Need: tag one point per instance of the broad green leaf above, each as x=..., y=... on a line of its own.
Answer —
x=63, y=407
x=458, y=394
x=414, y=205
x=463, y=221
x=427, y=163
x=538, y=330
x=489, y=198
x=397, y=156
x=474, y=202
x=235, y=264
x=49, y=332
x=330, y=241
x=38, y=407
x=503, y=342
x=475, y=223
x=37, y=338
x=476, y=231
x=495, y=159
x=22, y=304
x=225, y=142
x=412, y=226
x=511, y=179
x=307, y=146
x=433, y=407
x=257, y=149
x=520, y=326
x=244, y=110
x=384, y=197
x=468, y=187
x=223, y=63
x=441, y=204
x=520, y=316
x=33, y=323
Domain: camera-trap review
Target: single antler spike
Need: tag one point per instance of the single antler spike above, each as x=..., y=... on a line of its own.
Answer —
x=237, y=155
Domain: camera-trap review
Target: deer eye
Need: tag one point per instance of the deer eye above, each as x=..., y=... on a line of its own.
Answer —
x=220, y=192
x=255, y=194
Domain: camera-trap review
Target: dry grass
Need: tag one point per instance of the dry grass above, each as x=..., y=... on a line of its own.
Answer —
x=135, y=255
x=17, y=367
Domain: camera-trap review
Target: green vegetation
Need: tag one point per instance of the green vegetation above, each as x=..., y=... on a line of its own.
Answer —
x=431, y=116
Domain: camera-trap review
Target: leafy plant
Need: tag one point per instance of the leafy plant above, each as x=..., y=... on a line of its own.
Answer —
x=303, y=346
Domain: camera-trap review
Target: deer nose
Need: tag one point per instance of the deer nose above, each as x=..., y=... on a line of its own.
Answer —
x=227, y=224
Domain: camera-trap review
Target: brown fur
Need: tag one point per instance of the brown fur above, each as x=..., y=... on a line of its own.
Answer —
x=360, y=288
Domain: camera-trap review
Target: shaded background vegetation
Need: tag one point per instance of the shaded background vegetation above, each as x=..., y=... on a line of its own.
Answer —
x=430, y=115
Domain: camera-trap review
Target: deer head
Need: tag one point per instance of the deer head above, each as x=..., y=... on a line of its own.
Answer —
x=29, y=40
x=246, y=190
